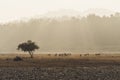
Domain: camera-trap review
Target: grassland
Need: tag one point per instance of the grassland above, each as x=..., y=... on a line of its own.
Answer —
x=50, y=60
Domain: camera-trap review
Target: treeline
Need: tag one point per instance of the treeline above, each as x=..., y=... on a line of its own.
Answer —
x=66, y=33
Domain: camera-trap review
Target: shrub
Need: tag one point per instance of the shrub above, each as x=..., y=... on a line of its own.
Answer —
x=17, y=58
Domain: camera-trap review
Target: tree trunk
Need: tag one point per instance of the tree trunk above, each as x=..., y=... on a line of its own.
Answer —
x=31, y=54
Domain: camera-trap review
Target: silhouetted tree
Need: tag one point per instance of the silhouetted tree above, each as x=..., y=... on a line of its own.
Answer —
x=28, y=46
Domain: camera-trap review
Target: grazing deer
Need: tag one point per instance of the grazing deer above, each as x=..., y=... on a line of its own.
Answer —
x=49, y=54
x=65, y=54
x=80, y=54
x=97, y=54
x=56, y=54
x=60, y=55
x=86, y=54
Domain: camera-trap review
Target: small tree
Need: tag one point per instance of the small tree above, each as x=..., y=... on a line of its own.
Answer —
x=28, y=46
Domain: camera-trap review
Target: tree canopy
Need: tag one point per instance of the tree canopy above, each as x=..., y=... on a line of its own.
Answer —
x=28, y=46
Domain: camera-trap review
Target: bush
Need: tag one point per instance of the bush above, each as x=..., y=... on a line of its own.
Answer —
x=17, y=58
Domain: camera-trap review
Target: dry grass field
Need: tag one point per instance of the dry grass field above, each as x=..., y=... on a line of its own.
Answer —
x=60, y=67
x=53, y=60
x=58, y=60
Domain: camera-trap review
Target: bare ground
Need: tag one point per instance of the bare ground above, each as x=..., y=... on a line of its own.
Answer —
x=61, y=68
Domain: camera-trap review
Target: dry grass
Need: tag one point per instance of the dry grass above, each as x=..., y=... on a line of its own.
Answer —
x=44, y=60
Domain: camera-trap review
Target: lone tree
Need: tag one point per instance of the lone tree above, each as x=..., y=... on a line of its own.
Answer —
x=28, y=46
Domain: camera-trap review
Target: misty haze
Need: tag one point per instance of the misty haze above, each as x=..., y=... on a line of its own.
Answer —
x=64, y=34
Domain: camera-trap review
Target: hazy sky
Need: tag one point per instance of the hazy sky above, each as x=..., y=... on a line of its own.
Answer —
x=15, y=9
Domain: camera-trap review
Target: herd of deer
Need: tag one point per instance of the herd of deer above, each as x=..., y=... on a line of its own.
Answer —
x=69, y=54
x=97, y=54
x=61, y=54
